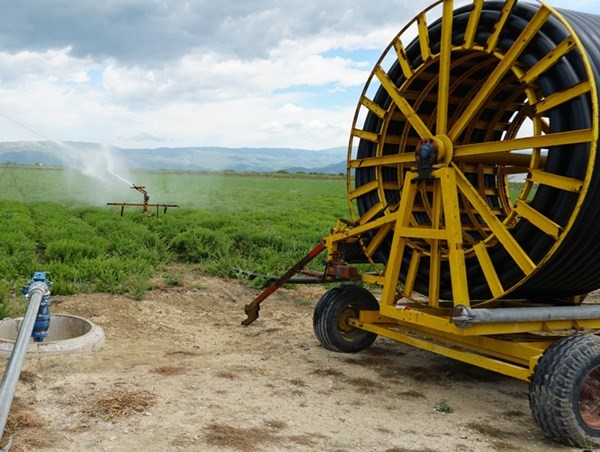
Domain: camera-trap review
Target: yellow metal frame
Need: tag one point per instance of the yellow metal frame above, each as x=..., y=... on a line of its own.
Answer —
x=509, y=348
x=496, y=346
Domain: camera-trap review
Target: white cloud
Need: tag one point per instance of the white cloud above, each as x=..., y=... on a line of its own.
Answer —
x=256, y=73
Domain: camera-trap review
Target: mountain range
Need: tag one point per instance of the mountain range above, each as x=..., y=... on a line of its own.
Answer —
x=331, y=161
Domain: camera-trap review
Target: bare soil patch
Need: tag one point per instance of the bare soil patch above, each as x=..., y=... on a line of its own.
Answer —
x=179, y=372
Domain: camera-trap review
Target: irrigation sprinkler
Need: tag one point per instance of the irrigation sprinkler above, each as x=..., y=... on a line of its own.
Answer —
x=459, y=102
x=38, y=294
x=144, y=204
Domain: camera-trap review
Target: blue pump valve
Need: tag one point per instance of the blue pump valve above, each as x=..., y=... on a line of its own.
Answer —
x=42, y=321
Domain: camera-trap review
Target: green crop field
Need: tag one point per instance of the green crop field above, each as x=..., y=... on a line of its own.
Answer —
x=57, y=220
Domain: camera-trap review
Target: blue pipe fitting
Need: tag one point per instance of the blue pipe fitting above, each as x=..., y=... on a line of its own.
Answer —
x=42, y=321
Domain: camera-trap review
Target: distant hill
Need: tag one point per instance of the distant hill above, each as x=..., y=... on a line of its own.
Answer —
x=73, y=154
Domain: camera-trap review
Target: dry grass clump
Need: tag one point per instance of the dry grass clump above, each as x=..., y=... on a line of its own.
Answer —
x=240, y=438
x=404, y=449
x=119, y=403
x=27, y=429
x=365, y=385
x=488, y=430
x=27, y=377
x=328, y=372
x=169, y=370
x=298, y=382
x=411, y=394
x=182, y=353
x=227, y=374
x=368, y=361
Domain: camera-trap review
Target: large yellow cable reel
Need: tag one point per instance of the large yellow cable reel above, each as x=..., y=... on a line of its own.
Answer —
x=482, y=93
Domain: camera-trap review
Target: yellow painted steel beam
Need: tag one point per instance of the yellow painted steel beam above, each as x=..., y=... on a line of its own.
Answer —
x=364, y=135
x=497, y=227
x=414, y=318
x=556, y=181
x=392, y=159
x=500, y=70
x=373, y=279
x=371, y=213
x=411, y=116
x=411, y=275
x=363, y=189
x=472, y=25
x=378, y=238
x=456, y=253
x=360, y=229
x=521, y=372
x=538, y=141
x=499, y=26
x=423, y=36
x=499, y=158
x=537, y=219
x=402, y=218
x=502, y=346
x=435, y=252
x=489, y=272
x=561, y=97
x=444, y=69
x=373, y=107
x=405, y=65
x=427, y=233
x=549, y=60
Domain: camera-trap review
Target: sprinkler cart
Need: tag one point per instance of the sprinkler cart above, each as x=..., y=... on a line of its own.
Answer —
x=144, y=205
x=474, y=194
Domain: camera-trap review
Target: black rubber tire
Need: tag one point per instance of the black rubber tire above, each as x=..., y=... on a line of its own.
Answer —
x=330, y=311
x=556, y=387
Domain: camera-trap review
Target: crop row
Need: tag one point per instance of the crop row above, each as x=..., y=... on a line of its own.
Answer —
x=251, y=223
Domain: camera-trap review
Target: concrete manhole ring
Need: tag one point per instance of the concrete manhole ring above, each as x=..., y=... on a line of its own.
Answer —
x=67, y=334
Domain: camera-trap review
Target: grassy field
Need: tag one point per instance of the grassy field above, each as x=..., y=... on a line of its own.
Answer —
x=57, y=220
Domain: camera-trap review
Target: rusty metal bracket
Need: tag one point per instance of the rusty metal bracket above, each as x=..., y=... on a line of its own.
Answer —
x=252, y=308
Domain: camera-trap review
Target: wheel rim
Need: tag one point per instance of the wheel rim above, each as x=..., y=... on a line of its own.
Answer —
x=589, y=399
x=347, y=331
x=494, y=111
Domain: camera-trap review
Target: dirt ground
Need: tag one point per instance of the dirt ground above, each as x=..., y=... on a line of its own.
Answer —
x=179, y=372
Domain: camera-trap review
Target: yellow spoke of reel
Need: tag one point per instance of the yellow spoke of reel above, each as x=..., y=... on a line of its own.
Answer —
x=366, y=135
x=496, y=226
x=556, y=181
x=405, y=65
x=489, y=272
x=423, y=36
x=392, y=159
x=540, y=221
x=472, y=25
x=363, y=189
x=411, y=116
x=548, y=61
x=493, y=80
x=376, y=241
x=538, y=142
x=499, y=25
x=371, y=186
x=373, y=107
x=444, y=74
x=561, y=97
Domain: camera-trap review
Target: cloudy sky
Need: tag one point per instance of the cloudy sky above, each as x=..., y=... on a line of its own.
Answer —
x=152, y=73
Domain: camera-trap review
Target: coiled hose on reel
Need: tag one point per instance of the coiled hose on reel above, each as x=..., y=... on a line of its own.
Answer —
x=515, y=94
